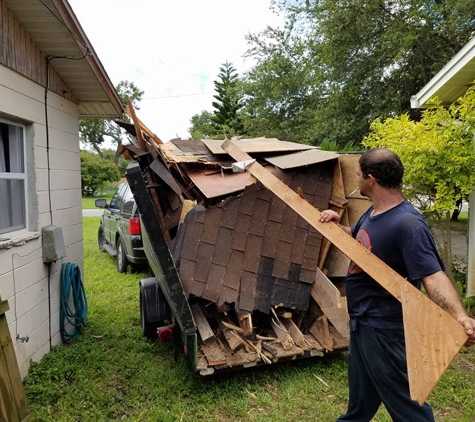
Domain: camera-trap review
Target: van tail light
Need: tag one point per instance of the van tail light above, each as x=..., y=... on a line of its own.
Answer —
x=134, y=226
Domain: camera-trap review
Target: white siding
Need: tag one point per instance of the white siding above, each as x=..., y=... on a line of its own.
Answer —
x=32, y=291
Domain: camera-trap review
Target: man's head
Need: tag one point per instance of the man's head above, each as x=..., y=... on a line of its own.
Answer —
x=384, y=166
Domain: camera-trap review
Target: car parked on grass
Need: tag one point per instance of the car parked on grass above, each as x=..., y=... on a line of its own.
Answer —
x=119, y=232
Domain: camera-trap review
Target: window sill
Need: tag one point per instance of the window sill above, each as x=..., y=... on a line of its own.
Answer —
x=18, y=239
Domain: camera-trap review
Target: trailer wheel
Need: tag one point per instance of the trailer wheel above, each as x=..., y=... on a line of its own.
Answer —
x=154, y=309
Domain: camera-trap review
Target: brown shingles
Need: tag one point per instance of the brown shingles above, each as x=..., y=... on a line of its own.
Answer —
x=271, y=237
x=191, y=240
x=187, y=269
x=298, y=246
x=287, y=228
x=247, y=291
x=209, y=233
x=276, y=210
x=282, y=260
x=252, y=253
x=203, y=262
x=240, y=232
x=248, y=199
x=214, y=284
x=229, y=214
x=259, y=217
x=232, y=276
x=223, y=246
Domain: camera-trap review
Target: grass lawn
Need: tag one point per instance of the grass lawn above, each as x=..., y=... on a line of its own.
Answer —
x=88, y=201
x=111, y=372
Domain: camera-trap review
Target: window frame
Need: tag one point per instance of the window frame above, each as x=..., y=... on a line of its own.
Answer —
x=18, y=176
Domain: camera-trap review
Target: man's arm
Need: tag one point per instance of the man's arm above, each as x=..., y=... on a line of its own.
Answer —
x=442, y=291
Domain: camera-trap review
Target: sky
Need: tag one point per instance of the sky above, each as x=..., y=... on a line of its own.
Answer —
x=172, y=50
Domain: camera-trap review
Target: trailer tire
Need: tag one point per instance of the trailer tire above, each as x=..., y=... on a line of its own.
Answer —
x=154, y=309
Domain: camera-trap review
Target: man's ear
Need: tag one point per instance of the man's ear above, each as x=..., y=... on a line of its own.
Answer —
x=371, y=179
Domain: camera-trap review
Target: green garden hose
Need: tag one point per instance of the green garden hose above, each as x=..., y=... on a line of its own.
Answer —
x=75, y=312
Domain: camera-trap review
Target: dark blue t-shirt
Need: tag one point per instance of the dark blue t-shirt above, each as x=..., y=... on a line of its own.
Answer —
x=401, y=238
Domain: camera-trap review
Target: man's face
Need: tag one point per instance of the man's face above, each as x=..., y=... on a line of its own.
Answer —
x=362, y=183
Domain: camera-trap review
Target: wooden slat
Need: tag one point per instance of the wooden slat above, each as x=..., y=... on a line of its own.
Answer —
x=202, y=324
x=452, y=335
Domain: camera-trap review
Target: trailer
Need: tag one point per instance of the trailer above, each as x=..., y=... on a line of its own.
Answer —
x=240, y=279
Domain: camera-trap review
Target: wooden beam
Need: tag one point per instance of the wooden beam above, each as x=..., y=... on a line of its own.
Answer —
x=427, y=355
x=202, y=324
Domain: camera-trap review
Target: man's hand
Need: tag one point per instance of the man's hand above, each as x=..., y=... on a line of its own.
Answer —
x=329, y=215
x=469, y=324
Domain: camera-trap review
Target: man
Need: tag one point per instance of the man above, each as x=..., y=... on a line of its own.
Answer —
x=397, y=234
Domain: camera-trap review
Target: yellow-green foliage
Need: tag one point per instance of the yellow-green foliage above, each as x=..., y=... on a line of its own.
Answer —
x=438, y=152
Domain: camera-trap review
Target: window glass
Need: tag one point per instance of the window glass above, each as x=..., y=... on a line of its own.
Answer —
x=12, y=178
x=128, y=203
x=113, y=203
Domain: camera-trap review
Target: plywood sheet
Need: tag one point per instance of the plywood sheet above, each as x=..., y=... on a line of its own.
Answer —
x=257, y=145
x=218, y=184
x=303, y=158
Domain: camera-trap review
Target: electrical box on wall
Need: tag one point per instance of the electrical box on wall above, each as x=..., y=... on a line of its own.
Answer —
x=53, y=244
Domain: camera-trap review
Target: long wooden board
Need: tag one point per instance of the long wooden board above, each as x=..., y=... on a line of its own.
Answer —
x=433, y=336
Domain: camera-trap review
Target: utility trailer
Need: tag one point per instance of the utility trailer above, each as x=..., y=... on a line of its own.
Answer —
x=240, y=278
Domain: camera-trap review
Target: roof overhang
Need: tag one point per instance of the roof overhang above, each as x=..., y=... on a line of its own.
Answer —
x=452, y=81
x=54, y=27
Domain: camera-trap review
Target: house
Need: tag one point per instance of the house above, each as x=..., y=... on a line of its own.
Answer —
x=50, y=77
x=450, y=83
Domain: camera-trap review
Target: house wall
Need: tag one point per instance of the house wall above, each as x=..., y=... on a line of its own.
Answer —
x=30, y=286
x=19, y=52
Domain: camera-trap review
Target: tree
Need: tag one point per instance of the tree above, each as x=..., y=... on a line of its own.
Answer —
x=338, y=65
x=226, y=119
x=202, y=126
x=94, y=131
x=439, y=157
x=95, y=171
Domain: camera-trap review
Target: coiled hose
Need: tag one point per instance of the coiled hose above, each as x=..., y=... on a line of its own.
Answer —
x=71, y=283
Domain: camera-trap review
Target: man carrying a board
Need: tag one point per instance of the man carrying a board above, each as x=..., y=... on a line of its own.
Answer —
x=394, y=231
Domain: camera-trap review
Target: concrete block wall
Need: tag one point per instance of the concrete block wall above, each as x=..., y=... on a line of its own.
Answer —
x=31, y=288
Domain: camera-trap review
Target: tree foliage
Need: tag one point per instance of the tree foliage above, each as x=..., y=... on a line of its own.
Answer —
x=202, y=126
x=338, y=65
x=225, y=118
x=95, y=171
x=438, y=154
x=94, y=131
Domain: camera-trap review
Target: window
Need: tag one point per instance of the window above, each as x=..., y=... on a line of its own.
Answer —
x=12, y=178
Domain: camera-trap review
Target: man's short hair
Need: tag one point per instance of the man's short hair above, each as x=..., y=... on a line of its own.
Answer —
x=384, y=165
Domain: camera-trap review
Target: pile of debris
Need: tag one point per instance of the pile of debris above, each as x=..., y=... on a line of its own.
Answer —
x=261, y=283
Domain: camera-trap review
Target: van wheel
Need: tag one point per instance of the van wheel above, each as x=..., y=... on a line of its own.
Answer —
x=122, y=261
x=100, y=239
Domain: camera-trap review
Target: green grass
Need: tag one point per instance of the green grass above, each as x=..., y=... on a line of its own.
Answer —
x=112, y=373
x=88, y=202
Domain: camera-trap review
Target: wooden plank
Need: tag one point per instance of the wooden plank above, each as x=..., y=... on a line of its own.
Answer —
x=202, y=324
x=233, y=342
x=452, y=336
x=325, y=293
x=295, y=333
x=299, y=159
x=214, y=355
x=320, y=331
x=245, y=323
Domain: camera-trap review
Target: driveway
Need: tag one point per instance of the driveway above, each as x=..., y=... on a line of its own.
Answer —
x=92, y=213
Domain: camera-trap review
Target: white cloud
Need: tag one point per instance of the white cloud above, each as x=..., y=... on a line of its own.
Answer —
x=172, y=50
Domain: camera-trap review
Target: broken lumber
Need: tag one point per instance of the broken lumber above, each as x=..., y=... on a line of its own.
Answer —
x=433, y=336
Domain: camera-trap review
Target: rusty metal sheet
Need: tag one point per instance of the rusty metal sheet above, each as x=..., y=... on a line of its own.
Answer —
x=221, y=183
x=257, y=145
x=303, y=158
